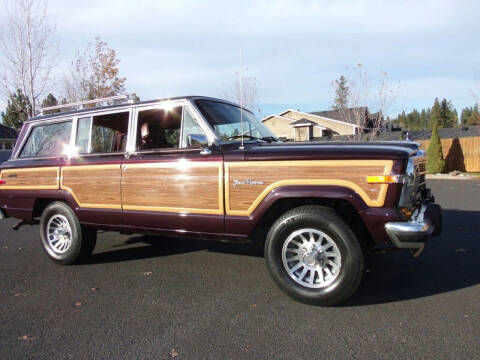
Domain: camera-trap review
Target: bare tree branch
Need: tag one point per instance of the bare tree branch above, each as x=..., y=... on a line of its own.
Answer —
x=363, y=93
x=242, y=90
x=29, y=50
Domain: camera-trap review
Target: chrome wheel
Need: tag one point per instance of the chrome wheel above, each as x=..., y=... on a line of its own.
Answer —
x=59, y=233
x=311, y=258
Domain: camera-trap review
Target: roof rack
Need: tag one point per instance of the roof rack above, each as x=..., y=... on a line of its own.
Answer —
x=81, y=104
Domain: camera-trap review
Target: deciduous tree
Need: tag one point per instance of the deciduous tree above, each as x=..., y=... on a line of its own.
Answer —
x=94, y=74
x=29, y=50
x=242, y=90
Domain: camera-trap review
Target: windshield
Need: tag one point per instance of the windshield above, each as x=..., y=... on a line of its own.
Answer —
x=225, y=121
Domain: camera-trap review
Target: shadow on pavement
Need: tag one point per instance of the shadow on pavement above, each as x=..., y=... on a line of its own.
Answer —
x=154, y=246
x=450, y=262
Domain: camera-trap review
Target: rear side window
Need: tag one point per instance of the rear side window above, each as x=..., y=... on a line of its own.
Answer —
x=102, y=134
x=47, y=140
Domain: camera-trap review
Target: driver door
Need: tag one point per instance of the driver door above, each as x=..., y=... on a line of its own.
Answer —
x=169, y=183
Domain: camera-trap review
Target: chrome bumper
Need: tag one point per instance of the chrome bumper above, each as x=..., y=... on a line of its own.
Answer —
x=412, y=234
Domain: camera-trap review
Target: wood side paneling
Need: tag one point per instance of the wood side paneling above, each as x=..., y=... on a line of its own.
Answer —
x=195, y=187
x=93, y=186
x=46, y=178
x=242, y=199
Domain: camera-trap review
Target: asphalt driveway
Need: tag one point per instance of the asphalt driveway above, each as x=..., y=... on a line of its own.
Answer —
x=142, y=297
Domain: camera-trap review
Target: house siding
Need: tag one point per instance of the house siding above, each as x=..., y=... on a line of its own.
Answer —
x=341, y=129
x=280, y=127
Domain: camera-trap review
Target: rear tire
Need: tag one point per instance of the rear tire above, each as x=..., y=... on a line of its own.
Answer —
x=314, y=256
x=63, y=238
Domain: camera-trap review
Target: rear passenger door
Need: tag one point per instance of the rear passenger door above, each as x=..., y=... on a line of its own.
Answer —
x=169, y=183
x=92, y=174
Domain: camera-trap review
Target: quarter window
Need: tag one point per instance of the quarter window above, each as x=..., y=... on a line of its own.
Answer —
x=190, y=129
x=83, y=135
x=47, y=140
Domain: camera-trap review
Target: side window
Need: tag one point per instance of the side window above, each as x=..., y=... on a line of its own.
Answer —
x=192, y=132
x=47, y=140
x=83, y=135
x=102, y=133
x=159, y=128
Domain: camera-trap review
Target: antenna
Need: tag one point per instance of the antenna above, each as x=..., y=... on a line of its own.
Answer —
x=241, y=97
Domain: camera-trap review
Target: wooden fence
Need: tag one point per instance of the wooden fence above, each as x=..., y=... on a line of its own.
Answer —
x=460, y=153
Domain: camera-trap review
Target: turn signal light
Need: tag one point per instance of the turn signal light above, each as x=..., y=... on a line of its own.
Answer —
x=406, y=212
x=384, y=179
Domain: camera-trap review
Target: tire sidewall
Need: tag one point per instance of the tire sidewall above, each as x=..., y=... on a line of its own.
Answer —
x=349, y=248
x=73, y=251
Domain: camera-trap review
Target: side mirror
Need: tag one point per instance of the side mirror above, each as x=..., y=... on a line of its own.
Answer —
x=197, y=140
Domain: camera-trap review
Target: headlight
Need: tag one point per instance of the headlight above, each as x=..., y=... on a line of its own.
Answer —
x=408, y=189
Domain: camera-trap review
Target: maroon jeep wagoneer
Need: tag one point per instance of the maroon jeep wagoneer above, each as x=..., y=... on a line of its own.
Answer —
x=204, y=167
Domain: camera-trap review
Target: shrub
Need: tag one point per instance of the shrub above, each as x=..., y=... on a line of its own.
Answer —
x=435, y=160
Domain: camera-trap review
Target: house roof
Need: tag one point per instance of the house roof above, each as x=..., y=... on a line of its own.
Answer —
x=310, y=114
x=337, y=114
x=303, y=122
x=7, y=132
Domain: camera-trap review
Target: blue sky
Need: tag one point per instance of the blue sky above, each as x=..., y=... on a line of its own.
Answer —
x=293, y=48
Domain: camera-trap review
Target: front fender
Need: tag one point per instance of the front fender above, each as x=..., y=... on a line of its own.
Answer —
x=244, y=225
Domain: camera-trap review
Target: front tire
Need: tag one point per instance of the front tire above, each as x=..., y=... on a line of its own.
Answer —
x=314, y=256
x=63, y=238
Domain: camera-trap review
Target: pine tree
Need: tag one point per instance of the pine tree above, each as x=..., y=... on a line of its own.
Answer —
x=447, y=115
x=341, y=93
x=435, y=114
x=50, y=100
x=17, y=110
x=435, y=160
x=470, y=116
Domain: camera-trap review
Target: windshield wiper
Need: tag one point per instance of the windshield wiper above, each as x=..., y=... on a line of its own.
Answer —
x=250, y=137
x=233, y=137
x=269, y=139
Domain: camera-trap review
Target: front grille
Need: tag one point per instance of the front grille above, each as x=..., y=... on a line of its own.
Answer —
x=421, y=170
x=419, y=180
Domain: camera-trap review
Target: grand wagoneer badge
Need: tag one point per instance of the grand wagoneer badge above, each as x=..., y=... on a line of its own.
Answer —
x=247, y=182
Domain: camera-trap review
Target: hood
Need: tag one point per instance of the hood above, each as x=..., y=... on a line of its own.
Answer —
x=392, y=150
